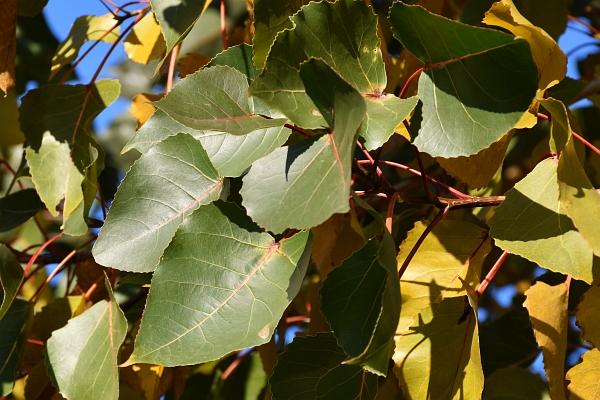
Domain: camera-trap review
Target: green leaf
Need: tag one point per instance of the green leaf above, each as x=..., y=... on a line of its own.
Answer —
x=176, y=19
x=57, y=314
x=514, y=383
x=270, y=18
x=216, y=99
x=17, y=208
x=438, y=357
x=237, y=57
x=136, y=278
x=452, y=249
x=230, y=154
x=311, y=368
x=585, y=377
x=82, y=357
x=11, y=277
x=204, y=304
x=587, y=318
x=30, y=8
x=15, y=329
x=471, y=94
x=548, y=311
x=85, y=28
x=531, y=223
x=384, y=114
x=162, y=188
x=301, y=185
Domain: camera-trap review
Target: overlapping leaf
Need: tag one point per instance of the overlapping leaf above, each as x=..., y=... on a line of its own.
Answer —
x=15, y=329
x=587, y=318
x=531, y=223
x=516, y=384
x=145, y=41
x=585, y=377
x=438, y=357
x=471, y=93
x=163, y=187
x=11, y=276
x=344, y=35
x=221, y=286
x=17, y=208
x=453, y=249
x=312, y=367
x=302, y=185
x=84, y=29
x=547, y=306
x=82, y=357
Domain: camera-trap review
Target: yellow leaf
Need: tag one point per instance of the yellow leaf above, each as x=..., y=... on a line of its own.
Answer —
x=549, y=58
x=145, y=42
x=547, y=306
x=587, y=315
x=478, y=169
x=191, y=63
x=8, y=44
x=141, y=109
x=585, y=377
x=84, y=29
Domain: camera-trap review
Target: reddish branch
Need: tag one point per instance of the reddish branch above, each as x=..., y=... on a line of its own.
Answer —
x=172, y=63
x=390, y=212
x=583, y=23
x=223, y=24
x=486, y=281
x=36, y=296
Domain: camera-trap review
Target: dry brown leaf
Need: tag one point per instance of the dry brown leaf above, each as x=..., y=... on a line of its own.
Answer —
x=8, y=44
x=141, y=109
x=191, y=63
x=547, y=306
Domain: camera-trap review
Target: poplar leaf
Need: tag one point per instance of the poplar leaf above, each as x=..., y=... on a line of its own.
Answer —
x=162, y=188
x=470, y=95
x=301, y=185
x=547, y=306
x=82, y=356
x=531, y=223
x=85, y=28
x=11, y=277
x=444, y=343
x=585, y=377
x=16, y=208
x=549, y=58
x=453, y=249
x=205, y=304
x=141, y=109
x=515, y=383
x=8, y=45
x=587, y=318
x=313, y=366
x=145, y=42
x=15, y=329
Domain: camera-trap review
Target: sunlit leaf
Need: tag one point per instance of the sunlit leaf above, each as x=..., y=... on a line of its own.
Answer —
x=82, y=357
x=84, y=29
x=145, y=41
x=384, y=114
x=587, y=318
x=515, y=383
x=301, y=185
x=547, y=306
x=141, y=109
x=11, y=276
x=471, y=95
x=204, y=304
x=15, y=329
x=585, y=377
x=163, y=187
x=312, y=367
x=17, y=208
x=531, y=223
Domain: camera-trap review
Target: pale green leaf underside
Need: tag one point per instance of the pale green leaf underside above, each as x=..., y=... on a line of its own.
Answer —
x=222, y=286
x=164, y=186
x=311, y=368
x=384, y=114
x=531, y=223
x=82, y=357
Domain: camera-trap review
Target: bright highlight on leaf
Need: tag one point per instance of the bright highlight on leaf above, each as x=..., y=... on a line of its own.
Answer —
x=145, y=42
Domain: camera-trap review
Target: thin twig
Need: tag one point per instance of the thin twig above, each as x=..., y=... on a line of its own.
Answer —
x=372, y=161
x=486, y=281
x=36, y=296
x=236, y=363
x=423, y=173
x=37, y=254
x=576, y=136
x=172, y=64
x=390, y=212
x=223, y=24
x=583, y=23
x=409, y=81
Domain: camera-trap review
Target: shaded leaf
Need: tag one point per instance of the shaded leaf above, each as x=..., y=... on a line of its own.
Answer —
x=162, y=188
x=205, y=304
x=550, y=15
x=567, y=90
x=547, y=306
x=8, y=45
x=514, y=383
x=11, y=276
x=191, y=63
x=30, y=8
x=452, y=249
x=136, y=278
x=531, y=223
x=57, y=314
x=17, y=208
x=585, y=377
x=9, y=121
x=215, y=99
x=587, y=318
x=470, y=95
x=145, y=41
x=82, y=357
x=15, y=328
x=311, y=367
x=549, y=58
x=438, y=357
x=141, y=109
x=84, y=29
x=301, y=185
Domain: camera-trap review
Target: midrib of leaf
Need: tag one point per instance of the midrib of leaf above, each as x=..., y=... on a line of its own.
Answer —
x=273, y=248
x=175, y=216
